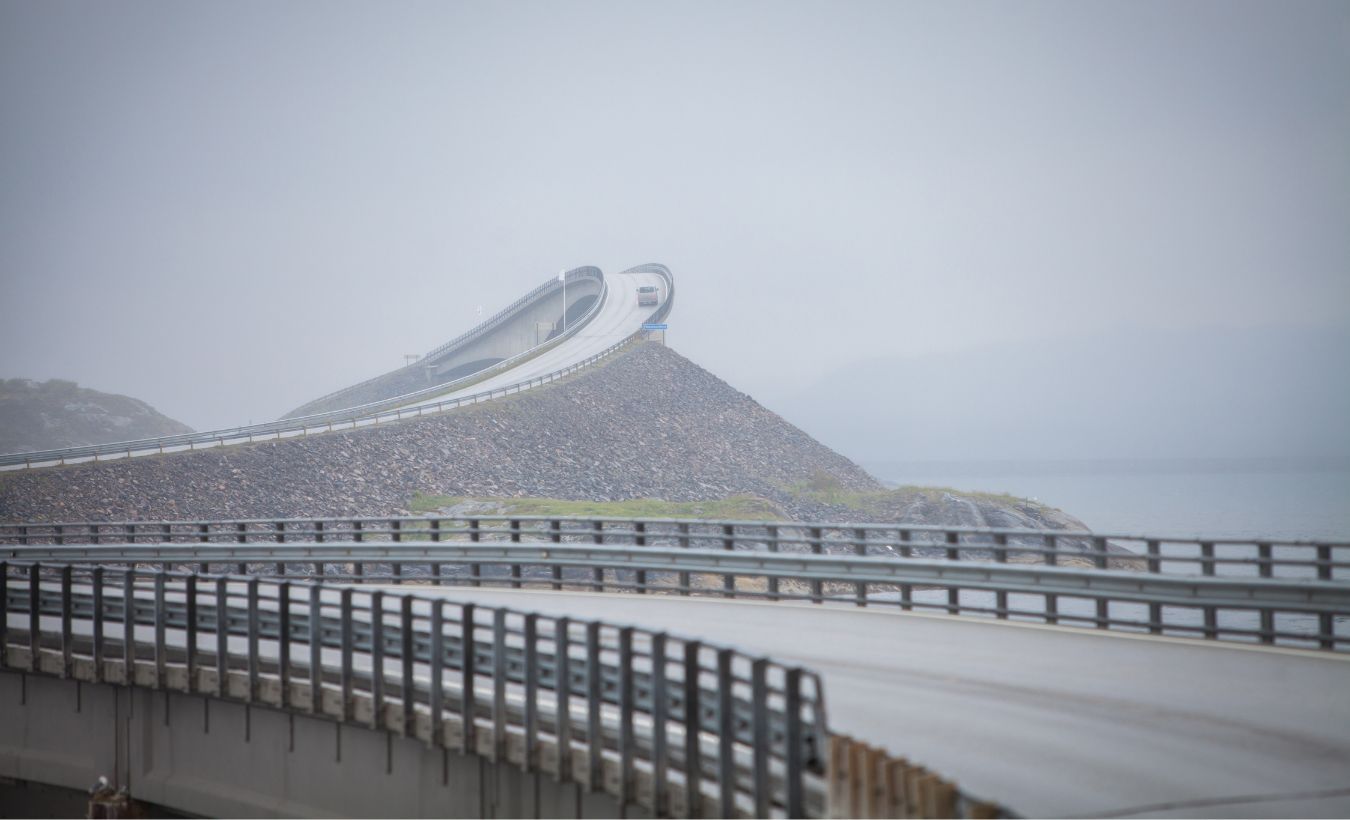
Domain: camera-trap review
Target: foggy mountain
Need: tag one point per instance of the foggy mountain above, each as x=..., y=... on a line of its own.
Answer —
x=1270, y=392
x=58, y=413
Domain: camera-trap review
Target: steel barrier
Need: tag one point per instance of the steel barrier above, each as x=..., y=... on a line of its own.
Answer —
x=1173, y=555
x=681, y=727
x=699, y=729
x=477, y=332
x=1285, y=611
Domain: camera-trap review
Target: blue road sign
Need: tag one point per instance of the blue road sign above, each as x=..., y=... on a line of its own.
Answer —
x=650, y=326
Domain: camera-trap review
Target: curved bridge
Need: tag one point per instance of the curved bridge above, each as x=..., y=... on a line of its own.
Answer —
x=607, y=318
x=1125, y=717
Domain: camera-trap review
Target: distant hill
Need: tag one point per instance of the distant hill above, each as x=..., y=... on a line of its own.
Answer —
x=1262, y=392
x=57, y=413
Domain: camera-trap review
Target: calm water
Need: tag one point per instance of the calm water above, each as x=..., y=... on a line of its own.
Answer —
x=1287, y=498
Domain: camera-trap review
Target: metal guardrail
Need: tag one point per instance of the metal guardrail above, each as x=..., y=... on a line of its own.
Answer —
x=689, y=728
x=1227, y=608
x=480, y=330
x=1180, y=555
x=374, y=413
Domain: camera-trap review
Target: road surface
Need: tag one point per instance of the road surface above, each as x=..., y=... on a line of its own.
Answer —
x=1050, y=721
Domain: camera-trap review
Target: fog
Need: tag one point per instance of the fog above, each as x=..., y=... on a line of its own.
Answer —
x=227, y=210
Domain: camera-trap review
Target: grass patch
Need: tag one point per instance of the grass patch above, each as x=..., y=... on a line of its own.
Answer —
x=824, y=488
x=746, y=507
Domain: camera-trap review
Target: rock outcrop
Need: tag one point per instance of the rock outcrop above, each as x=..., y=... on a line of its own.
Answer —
x=648, y=423
x=57, y=413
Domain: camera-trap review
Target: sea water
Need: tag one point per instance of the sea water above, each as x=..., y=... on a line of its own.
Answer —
x=1240, y=498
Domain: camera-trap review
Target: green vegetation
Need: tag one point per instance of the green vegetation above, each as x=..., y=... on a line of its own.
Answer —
x=824, y=488
x=747, y=507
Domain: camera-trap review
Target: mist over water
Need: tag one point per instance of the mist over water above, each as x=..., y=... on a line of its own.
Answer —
x=1239, y=498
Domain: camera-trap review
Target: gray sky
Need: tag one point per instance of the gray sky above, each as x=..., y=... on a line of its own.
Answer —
x=228, y=209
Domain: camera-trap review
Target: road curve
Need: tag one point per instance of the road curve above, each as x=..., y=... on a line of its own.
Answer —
x=617, y=319
x=1048, y=721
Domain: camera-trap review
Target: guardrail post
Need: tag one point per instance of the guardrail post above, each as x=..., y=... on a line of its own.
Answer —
x=347, y=648
x=773, y=547
x=241, y=533
x=760, y=702
x=793, y=763
x=530, y=761
x=67, y=636
x=953, y=593
x=253, y=655
x=57, y=534
x=683, y=541
x=640, y=540
x=817, y=548
x=627, y=747
x=475, y=569
x=515, y=539
x=222, y=636
x=594, y=695
x=128, y=625
x=4, y=615
x=407, y=686
x=598, y=573
x=284, y=641
x=377, y=660
x=726, y=735
x=860, y=549
x=190, y=633
x=96, y=579
x=1207, y=557
x=555, y=536
x=660, y=715
x=436, y=665
x=562, y=659
x=693, y=723
x=729, y=545
x=315, y=649
x=1265, y=562
x=1103, y=605
x=1051, y=600
x=34, y=616
x=468, y=674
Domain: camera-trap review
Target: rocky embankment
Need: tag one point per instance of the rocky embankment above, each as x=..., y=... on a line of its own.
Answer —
x=57, y=413
x=646, y=424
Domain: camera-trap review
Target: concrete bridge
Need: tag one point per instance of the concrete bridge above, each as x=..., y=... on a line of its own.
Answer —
x=487, y=667
x=833, y=640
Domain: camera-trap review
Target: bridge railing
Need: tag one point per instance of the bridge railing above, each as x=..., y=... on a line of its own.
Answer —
x=368, y=414
x=774, y=561
x=476, y=332
x=1257, y=558
x=682, y=727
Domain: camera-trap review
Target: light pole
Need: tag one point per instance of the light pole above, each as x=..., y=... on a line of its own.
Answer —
x=562, y=277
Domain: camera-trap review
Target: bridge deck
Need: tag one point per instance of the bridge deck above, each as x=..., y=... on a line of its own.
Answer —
x=1049, y=721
